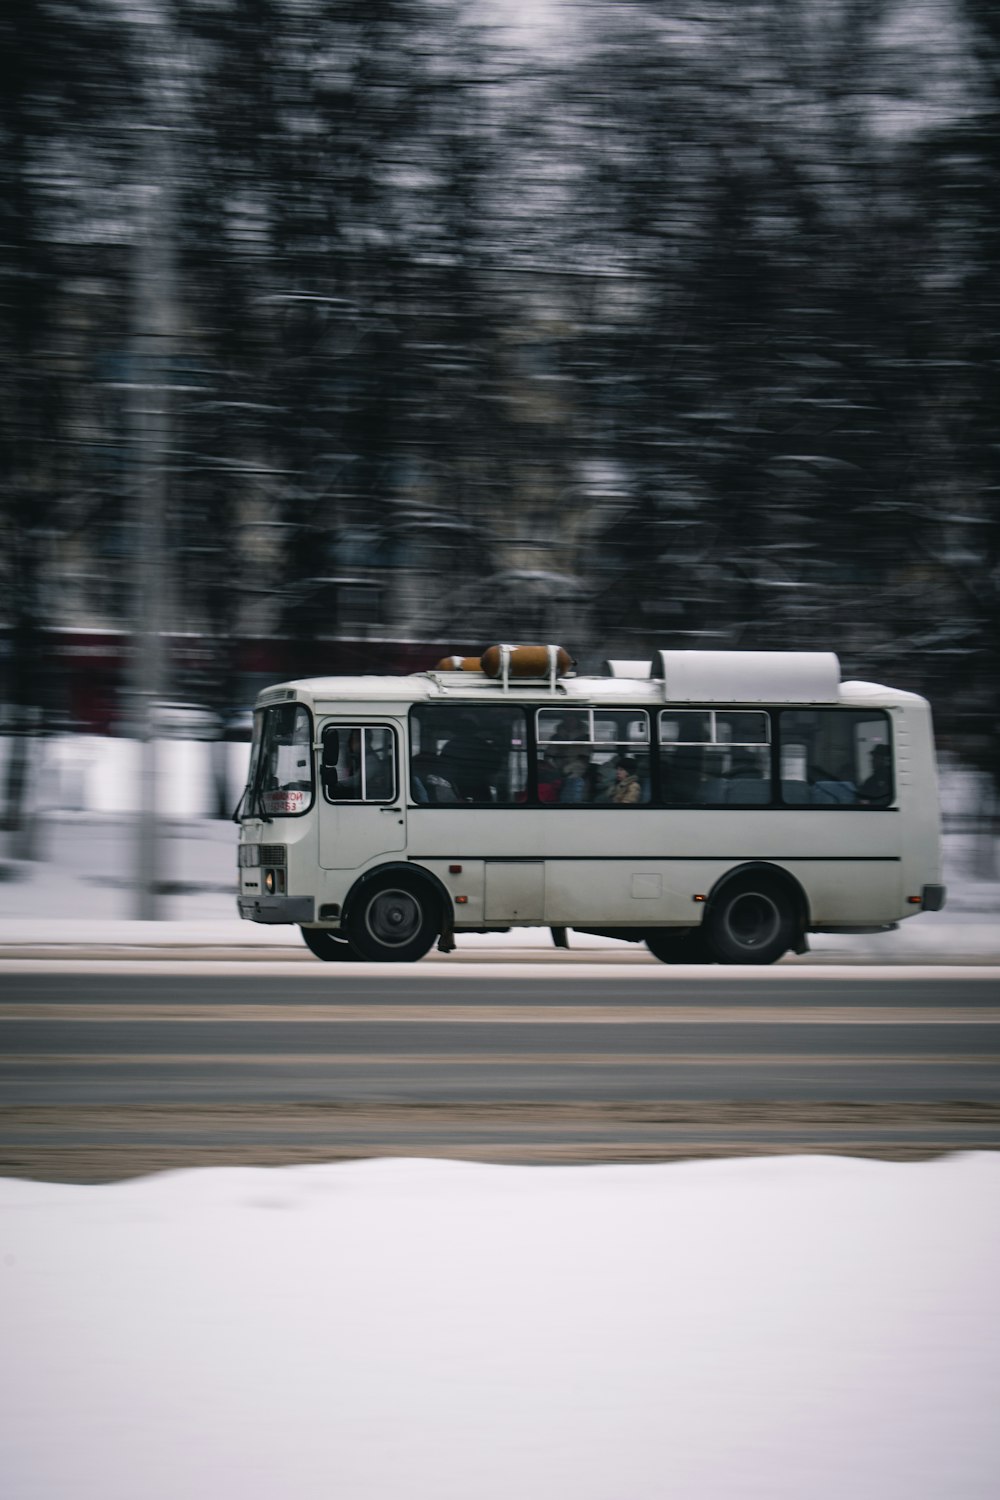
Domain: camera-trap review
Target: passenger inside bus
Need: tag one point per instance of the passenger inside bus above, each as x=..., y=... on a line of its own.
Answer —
x=429, y=780
x=877, y=787
x=378, y=780
x=550, y=782
x=471, y=760
x=628, y=789
x=577, y=781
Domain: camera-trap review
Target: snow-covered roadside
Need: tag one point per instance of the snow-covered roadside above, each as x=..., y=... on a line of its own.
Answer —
x=800, y=1329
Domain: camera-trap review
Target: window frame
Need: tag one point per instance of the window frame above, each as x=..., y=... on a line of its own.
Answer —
x=346, y=727
x=655, y=745
x=712, y=711
x=460, y=706
x=859, y=711
x=632, y=748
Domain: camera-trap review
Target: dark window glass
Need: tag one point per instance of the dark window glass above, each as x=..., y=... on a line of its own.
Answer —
x=836, y=757
x=468, y=753
x=715, y=758
x=686, y=727
x=359, y=763
x=596, y=757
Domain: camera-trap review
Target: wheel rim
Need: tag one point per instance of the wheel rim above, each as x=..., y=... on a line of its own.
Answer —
x=393, y=918
x=753, y=920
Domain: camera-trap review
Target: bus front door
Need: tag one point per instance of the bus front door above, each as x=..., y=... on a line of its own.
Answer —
x=362, y=812
x=353, y=834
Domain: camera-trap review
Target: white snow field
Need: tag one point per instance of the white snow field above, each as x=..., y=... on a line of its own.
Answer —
x=790, y=1329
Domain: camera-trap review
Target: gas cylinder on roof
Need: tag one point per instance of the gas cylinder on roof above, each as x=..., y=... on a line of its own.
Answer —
x=526, y=661
x=459, y=664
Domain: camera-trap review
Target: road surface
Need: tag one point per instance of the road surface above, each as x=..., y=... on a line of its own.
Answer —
x=113, y=1068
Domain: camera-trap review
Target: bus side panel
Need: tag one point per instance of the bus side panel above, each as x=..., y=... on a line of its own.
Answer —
x=850, y=893
x=632, y=892
x=605, y=865
x=651, y=893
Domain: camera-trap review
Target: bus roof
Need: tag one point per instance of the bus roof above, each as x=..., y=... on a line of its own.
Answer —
x=756, y=682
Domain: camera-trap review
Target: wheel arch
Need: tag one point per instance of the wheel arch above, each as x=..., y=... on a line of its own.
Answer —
x=401, y=867
x=780, y=876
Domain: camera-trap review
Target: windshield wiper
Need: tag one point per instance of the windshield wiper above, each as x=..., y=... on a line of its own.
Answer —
x=258, y=798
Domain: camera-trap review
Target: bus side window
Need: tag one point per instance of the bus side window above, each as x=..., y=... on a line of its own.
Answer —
x=712, y=758
x=593, y=756
x=836, y=757
x=467, y=753
x=358, y=763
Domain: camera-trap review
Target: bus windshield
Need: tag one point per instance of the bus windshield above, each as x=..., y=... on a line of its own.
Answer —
x=281, y=762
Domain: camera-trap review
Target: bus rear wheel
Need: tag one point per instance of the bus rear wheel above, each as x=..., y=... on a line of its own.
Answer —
x=329, y=946
x=751, y=921
x=393, y=920
x=677, y=945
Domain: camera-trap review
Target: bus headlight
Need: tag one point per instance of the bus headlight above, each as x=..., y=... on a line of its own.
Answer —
x=269, y=882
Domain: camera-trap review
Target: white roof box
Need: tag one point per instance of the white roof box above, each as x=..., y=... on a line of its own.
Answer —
x=750, y=676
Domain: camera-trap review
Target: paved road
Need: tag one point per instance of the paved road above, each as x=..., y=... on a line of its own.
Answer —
x=109, y=1070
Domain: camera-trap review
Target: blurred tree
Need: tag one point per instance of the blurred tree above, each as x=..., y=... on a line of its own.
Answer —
x=683, y=333
x=64, y=76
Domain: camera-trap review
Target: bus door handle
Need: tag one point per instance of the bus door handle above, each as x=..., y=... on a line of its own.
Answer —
x=390, y=809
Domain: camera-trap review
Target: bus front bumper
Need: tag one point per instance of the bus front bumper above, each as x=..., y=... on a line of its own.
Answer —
x=276, y=910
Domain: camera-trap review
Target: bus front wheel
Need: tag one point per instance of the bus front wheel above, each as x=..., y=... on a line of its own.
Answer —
x=329, y=946
x=393, y=920
x=750, y=921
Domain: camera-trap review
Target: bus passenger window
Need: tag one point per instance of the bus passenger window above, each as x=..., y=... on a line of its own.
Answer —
x=715, y=758
x=359, y=763
x=836, y=757
x=593, y=757
x=468, y=753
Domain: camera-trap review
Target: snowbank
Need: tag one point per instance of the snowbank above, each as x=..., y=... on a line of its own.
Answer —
x=803, y=1328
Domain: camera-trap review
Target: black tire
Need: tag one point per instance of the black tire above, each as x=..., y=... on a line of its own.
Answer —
x=752, y=920
x=329, y=946
x=393, y=919
x=677, y=945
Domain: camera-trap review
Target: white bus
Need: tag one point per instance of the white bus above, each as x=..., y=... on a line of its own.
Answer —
x=717, y=806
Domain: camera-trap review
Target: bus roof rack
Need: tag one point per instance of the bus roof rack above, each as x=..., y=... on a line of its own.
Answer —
x=750, y=676
x=508, y=666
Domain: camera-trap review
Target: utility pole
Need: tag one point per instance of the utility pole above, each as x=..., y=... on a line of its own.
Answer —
x=153, y=347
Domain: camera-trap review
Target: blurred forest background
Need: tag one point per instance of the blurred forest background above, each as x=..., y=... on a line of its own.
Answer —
x=380, y=328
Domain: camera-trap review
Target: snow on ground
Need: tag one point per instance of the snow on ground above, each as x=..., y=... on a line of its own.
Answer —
x=803, y=1328
x=783, y=1329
